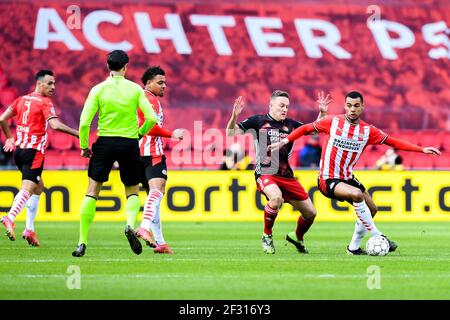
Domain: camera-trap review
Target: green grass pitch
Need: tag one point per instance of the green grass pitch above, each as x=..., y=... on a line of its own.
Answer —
x=224, y=260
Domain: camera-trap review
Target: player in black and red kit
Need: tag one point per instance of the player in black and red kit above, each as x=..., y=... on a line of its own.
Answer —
x=274, y=177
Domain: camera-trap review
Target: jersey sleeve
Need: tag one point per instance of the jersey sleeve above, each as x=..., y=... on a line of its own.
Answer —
x=249, y=124
x=323, y=125
x=87, y=115
x=13, y=106
x=49, y=111
x=376, y=136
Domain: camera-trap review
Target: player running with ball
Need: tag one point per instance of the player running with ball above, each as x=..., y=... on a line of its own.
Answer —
x=348, y=138
x=274, y=177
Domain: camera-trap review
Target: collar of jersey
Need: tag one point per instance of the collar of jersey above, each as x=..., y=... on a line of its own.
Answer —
x=270, y=117
x=150, y=92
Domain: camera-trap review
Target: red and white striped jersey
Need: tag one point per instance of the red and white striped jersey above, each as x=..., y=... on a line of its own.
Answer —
x=32, y=112
x=345, y=144
x=151, y=145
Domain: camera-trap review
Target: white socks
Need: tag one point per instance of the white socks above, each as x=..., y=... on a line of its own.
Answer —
x=358, y=235
x=363, y=213
x=151, y=207
x=32, y=206
x=157, y=228
x=18, y=204
x=151, y=218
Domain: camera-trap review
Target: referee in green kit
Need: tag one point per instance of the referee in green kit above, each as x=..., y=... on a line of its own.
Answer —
x=116, y=100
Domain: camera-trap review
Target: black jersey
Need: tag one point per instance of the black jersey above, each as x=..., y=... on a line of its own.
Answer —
x=266, y=130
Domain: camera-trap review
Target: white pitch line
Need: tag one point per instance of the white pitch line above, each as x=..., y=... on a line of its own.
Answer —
x=231, y=276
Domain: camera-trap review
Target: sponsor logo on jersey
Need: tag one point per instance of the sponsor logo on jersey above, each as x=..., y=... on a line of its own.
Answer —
x=347, y=144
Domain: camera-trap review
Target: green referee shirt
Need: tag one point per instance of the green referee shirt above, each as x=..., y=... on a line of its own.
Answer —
x=116, y=100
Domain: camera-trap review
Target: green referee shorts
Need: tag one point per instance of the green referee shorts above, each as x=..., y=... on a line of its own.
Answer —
x=106, y=151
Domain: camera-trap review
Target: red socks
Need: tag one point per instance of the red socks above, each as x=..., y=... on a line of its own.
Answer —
x=270, y=215
x=302, y=227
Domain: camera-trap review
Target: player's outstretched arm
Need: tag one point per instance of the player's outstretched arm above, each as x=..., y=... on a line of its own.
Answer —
x=294, y=135
x=407, y=146
x=158, y=131
x=232, y=128
x=9, y=143
x=323, y=102
x=55, y=124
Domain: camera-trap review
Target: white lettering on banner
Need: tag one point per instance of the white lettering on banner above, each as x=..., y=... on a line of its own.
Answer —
x=330, y=41
x=434, y=34
x=386, y=44
x=174, y=32
x=261, y=39
x=90, y=29
x=51, y=28
x=46, y=18
x=347, y=144
x=215, y=26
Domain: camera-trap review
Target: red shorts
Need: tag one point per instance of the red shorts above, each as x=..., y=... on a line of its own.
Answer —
x=290, y=188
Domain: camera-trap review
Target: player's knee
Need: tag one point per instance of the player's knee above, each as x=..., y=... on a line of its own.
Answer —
x=276, y=202
x=39, y=189
x=357, y=196
x=310, y=214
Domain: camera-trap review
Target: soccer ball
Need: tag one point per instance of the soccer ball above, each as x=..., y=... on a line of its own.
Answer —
x=377, y=246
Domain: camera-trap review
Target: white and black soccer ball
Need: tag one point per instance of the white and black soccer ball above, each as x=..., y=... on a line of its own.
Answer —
x=377, y=246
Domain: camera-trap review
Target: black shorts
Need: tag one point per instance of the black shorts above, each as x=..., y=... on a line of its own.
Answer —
x=30, y=162
x=327, y=186
x=106, y=151
x=150, y=168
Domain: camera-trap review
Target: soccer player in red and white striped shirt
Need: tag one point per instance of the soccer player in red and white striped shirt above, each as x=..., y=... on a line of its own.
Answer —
x=348, y=138
x=33, y=113
x=153, y=162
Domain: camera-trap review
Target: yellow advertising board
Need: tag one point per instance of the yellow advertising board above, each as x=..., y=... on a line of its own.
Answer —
x=232, y=196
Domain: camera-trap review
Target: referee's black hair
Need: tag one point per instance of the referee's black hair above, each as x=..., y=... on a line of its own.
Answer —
x=354, y=95
x=152, y=72
x=42, y=73
x=117, y=59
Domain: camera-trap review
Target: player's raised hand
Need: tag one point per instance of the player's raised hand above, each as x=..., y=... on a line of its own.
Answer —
x=178, y=134
x=86, y=153
x=238, y=106
x=9, y=145
x=431, y=150
x=323, y=101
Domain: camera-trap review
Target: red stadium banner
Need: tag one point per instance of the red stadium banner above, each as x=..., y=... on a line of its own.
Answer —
x=396, y=54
